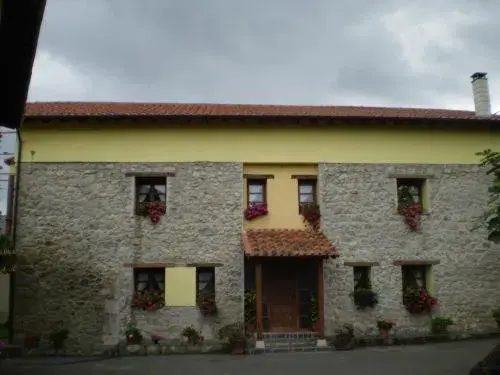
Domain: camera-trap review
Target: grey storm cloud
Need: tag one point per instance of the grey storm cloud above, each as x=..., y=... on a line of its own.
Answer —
x=278, y=51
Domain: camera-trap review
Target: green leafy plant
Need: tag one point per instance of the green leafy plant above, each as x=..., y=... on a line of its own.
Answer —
x=8, y=257
x=250, y=308
x=150, y=300
x=192, y=335
x=133, y=335
x=418, y=301
x=491, y=160
x=234, y=335
x=364, y=298
x=344, y=337
x=439, y=324
x=313, y=310
x=311, y=215
x=410, y=209
x=58, y=338
x=385, y=324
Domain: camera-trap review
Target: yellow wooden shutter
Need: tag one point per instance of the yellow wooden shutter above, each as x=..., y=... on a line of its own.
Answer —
x=180, y=286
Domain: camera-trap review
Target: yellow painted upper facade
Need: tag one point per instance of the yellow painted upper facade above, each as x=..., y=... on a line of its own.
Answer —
x=282, y=194
x=249, y=142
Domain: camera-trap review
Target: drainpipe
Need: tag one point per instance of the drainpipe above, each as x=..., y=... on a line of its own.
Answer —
x=14, y=232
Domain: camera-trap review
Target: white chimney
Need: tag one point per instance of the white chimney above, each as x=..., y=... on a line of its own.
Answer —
x=481, y=94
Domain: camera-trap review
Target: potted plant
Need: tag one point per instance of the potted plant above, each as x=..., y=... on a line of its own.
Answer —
x=155, y=339
x=384, y=327
x=255, y=210
x=409, y=207
x=313, y=313
x=154, y=210
x=206, y=304
x=192, y=336
x=496, y=316
x=311, y=215
x=440, y=324
x=418, y=301
x=344, y=338
x=250, y=310
x=235, y=336
x=133, y=335
x=58, y=338
x=364, y=298
x=149, y=299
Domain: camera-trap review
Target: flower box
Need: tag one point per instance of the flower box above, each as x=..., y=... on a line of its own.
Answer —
x=150, y=300
x=256, y=210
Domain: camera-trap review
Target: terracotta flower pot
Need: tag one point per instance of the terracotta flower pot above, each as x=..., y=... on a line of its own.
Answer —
x=384, y=333
x=237, y=345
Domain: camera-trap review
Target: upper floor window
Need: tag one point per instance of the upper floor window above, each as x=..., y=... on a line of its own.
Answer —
x=307, y=192
x=412, y=190
x=415, y=277
x=256, y=189
x=150, y=189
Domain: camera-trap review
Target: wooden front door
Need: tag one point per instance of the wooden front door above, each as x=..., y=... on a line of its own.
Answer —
x=283, y=306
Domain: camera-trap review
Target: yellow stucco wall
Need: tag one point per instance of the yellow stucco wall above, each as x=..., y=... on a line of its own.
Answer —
x=180, y=286
x=272, y=143
x=282, y=195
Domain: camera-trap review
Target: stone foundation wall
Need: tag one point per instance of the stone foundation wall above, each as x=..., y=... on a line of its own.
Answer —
x=359, y=215
x=77, y=229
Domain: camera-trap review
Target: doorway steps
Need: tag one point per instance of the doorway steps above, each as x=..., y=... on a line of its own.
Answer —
x=291, y=342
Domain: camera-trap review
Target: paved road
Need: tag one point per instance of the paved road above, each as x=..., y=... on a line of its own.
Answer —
x=436, y=359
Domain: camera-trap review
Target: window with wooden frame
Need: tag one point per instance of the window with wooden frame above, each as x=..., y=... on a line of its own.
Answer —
x=205, y=282
x=205, y=290
x=256, y=191
x=152, y=279
x=307, y=192
x=362, y=278
x=415, y=188
x=415, y=277
x=150, y=189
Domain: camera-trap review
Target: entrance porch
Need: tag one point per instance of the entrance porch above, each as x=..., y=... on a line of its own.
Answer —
x=284, y=295
x=284, y=291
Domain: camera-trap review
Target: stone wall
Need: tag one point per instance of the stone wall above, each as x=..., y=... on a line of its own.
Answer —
x=77, y=229
x=359, y=215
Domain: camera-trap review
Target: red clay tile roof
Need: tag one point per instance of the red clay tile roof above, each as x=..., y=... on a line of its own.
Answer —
x=286, y=242
x=116, y=109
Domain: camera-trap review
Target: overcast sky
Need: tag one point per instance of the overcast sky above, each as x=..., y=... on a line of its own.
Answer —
x=416, y=53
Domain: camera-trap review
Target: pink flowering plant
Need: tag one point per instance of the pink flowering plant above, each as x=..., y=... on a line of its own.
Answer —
x=255, y=210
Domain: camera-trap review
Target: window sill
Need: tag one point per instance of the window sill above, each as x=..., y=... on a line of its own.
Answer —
x=426, y=213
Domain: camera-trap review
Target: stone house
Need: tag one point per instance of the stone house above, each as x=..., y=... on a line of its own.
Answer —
x=205, y=204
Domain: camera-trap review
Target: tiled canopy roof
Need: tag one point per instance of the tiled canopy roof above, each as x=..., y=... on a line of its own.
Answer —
x=286, y=242
x=117, y=109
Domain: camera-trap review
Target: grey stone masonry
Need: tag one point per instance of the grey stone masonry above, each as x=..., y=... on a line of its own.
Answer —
x=77, y=229
x=359, y=215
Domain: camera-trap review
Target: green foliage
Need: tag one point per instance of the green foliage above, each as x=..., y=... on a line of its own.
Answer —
x=496, y=315
x=7, y=256
x=250, y=307
x=439, y=324
x=491, y=160
x=58, y=338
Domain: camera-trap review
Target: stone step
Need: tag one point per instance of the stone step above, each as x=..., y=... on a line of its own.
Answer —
x=290, y=336
x=284, y=344
x=297, y=349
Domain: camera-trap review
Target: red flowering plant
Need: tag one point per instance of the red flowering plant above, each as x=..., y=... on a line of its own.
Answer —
x=154, y=210
x=255, y=210
x=409, y=207
x=418, y=301
x=148, y=299
x=311, y=215
x=206, y=302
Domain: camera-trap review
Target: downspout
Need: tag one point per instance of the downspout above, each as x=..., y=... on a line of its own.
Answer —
x=14, y=234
